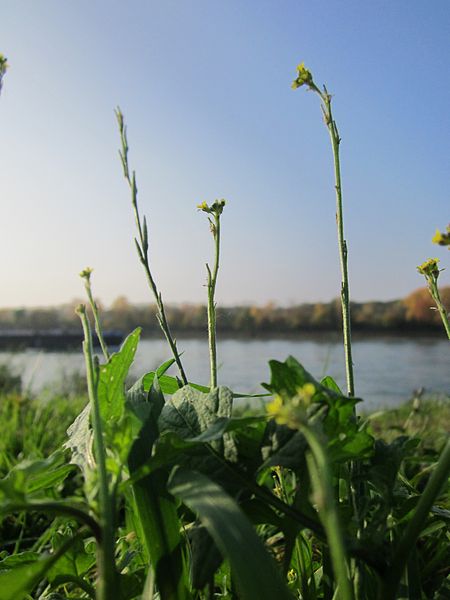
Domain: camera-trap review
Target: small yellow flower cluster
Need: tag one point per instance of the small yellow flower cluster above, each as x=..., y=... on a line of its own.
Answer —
x=429, y=268
x=292, y=412
x=443, y=239
x=215, y=209
x=86, y=273
x=304, y=77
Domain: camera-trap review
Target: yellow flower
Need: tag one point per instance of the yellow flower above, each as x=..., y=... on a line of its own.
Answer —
x=304, y=77
x=429, y=268
x=86, y=273
x=273, y=408
x=203, y=206
x=443, y=239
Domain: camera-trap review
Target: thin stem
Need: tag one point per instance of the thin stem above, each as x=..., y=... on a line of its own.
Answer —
x=434, y=291
x=58, y=508
x=86, y=275
x=318, y=466
x=345, y=293
x=212, y=280
x=142, y=246
x=107, y=585
x=412, y=532
x=356, y=490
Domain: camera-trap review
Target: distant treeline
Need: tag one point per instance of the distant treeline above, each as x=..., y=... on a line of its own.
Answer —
x=411, y=314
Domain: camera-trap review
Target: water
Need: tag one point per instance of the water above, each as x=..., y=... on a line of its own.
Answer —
x=387, y=369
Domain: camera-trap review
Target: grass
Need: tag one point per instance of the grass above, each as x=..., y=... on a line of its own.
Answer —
x=159, y=491
x=426, y=418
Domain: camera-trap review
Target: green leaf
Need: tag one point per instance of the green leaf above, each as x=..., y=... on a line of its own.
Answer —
x=169, y=447
x=16, y=583
x=347, y=437
x=206, y=558
x=190, y=412
x=79, y=442
x=15, y=560
x=169, y=385
x=111, y=385
x=158, y=524
x=330, y=383
x=283, y=447
x=254, y=572
x=19, y=581
x=32, y=477
x=287, y=377
x=74, y=562
x=161, y=370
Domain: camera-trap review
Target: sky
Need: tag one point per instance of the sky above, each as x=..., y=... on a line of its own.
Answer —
x=205, y=89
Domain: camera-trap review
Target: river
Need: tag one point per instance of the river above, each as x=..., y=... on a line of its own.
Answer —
x=387, y=369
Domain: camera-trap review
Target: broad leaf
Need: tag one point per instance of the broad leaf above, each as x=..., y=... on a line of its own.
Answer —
x=76, y=561
x=111, y=385
x=158, y=524
x=254, y=571
x=79, y=442
x=190, y=412
x=16, y=583
x=32, y=478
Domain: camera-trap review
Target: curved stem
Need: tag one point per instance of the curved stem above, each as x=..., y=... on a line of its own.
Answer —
x=58, y=508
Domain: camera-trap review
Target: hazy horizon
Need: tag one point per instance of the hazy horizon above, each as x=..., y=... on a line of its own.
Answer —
x=205, y=89
x=150, y=301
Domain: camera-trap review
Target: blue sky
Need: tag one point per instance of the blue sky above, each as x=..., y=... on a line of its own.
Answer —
x=205, y=88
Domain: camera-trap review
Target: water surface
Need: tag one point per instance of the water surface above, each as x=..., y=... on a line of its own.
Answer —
x=387, y=369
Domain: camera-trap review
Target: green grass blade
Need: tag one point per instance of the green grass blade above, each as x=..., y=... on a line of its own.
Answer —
x=254, y=572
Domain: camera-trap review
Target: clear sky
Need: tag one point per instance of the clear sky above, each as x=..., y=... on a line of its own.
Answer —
x=205, y=88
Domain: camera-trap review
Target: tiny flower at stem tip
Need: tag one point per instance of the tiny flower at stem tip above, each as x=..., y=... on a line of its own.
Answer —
x=86, y=273
x=80, y=309
x=443, y=239
x=429, y=268
x=216, y=207
x=204, y=207
x=304, y=77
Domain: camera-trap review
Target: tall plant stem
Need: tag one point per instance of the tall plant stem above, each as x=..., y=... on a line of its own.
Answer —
x=345, y=293
x=434, y=291
x=142, y=247
x=212, y=280
x=321, y=479
x=107, y=575
x=305, y=78
x=86, y=275
x=408, y=540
